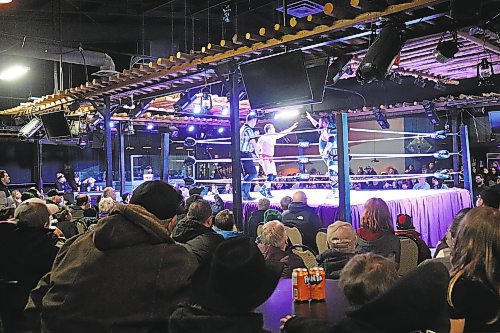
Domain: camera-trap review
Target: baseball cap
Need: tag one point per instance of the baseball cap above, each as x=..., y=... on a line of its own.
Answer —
x=341, y=235
x=59, y=175
x=404, y=222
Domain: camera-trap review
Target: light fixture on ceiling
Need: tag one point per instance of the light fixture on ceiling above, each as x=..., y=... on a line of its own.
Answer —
x=430, y=111
x=485, y=73
x=446, y=49
x=382, y=54
x=420, y=82
x=381, y=118
x=28, y=130
x=5, y=1
x=286, y=114
x=13, y=72
x=440, y=85
x=186, y=99
x=206, y=100
x=396, y=78
x=130, y=106
x=130, y=128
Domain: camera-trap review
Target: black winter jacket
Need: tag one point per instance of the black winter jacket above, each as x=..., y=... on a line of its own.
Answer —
x=190, y=318
x=197, y=238
x=306, y=220
x=333, y=261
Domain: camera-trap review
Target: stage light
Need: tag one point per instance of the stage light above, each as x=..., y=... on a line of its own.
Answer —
x=485, y=73
x=74, y=106
x=220, y=130
x=5, y=1
x=186, y=99
x=191, y=128
x=396, y=78
x=446, y=50
x=338, y=68
x=420, y=81
x=150, y=126
x=14, y=72
x=130, y=128
x=440, y=86
x=430, y=111
x=197, y=109
x=111, y=124
x=286, y=114
x=131, y=105
x=206, y=100
x=381, y=54
x=28, y=130
x=381, y=118
x=225, y=111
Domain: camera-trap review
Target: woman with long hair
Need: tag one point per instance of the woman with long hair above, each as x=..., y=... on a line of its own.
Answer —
x=473, y=292
x=376, y=233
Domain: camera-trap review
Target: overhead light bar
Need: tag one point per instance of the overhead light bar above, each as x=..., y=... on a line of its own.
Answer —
x=382, y=54
x=186, y=99
x=13, y=72
x=28, y=130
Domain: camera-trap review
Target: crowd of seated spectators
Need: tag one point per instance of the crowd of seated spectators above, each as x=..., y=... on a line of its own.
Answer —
x=198, y=271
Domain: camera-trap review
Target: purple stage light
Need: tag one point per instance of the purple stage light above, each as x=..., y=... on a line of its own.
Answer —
x=191, y=128
x=150, y=126
x=220, y=130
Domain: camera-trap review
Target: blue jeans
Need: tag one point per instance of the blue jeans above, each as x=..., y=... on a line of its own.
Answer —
x=249, y=173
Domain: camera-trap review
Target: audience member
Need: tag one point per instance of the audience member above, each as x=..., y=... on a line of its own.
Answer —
x=304, y=218
x=341, y=241
x=422, y=184
x=488, y=198
x=55, y=197
x=95, y=273
x=443, y=248
x=475, y=283
x=196, y=233
x=81, y=208
x=109, y=192
x=273, y=215
x=224, y=224
x=410, y=169
x=27, y=195
x=65, y=223
x=405, y=228
x=36, y=193
x=256, y=217
x=376, y=233
x=273, y=244
x=437, y=184
x=192, y=198
x=285, y=202
x=239, y=280
x=16, y=197
x=480, y=185
x=126, y=197
x=4, y=183
x=27, y=251
x=62, y=184
x=106, y=205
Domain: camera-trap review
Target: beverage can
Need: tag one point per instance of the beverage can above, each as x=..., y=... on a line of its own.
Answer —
x=317, y=283
x=300, y=284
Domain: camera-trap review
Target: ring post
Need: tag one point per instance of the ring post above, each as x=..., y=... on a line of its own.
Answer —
x=234, y=119
x=454, y=138
x=343, y=157
x=464, y=139
x=165, y=152
x=108, y=144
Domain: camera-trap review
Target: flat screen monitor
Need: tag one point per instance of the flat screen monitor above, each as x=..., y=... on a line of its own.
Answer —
x=56, y=125
x=495, y=121
x=276, y=81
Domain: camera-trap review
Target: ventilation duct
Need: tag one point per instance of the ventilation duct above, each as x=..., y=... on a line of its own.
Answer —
x=53, y=52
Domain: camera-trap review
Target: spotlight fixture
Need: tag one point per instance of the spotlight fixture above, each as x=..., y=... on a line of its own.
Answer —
x=112, y=124
x=485, y=73
x=382, y=53
x=206, y=100
x=28, y=130
x=440, y=86
x=396, y=78
x=446, y=49
x=338, y=68
x=381, y=118
x=420, y=81
x=74, y=106
x=150, y=126
x=197, y=109
x=191, y=128
x=186, y=99
x=430, y=111
x=130, y=128
x=225, y=111
x=220, y=130
x=130, y=106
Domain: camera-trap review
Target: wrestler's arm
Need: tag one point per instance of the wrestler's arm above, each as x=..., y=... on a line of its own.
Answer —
x=285, y=132
x=313, y=121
